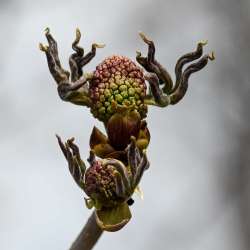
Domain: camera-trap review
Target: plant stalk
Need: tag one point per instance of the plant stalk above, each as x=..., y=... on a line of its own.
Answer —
x=89, y=235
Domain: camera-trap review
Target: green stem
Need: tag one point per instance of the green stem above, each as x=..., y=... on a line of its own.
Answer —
x=89, y=235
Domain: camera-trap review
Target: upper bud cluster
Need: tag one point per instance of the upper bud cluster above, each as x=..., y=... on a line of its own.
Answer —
x=117, y=79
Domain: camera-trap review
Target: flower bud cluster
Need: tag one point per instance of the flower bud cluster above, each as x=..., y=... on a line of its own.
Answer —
x=117, y=79
x=100, y=183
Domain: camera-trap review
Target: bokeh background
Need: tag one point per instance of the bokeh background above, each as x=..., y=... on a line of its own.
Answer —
x=196, y=194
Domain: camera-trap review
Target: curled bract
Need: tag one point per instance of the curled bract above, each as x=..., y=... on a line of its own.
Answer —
x=118, y=81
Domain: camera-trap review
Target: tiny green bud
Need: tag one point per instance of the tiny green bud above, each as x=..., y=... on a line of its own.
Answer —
x=102, y=110
x=113, y=86
x=131, y=91
x=106, y=104
x=123, y=88
x=118, y=98
x=111, y=98
x=124, y=94
x=109, y=109
x=98, y=104
x=102, y=98
x=107, y=93
x=138, y=90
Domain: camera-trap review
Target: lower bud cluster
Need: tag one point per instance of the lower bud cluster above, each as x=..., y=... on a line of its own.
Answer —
x=112, y=178
x=100, y=184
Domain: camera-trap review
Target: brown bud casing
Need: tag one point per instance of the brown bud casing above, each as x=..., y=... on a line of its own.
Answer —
x=121, y=126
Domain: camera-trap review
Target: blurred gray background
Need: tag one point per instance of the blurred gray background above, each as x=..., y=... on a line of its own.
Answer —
x=196, y=194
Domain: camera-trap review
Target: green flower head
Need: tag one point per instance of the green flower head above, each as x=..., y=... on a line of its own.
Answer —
x=117, y=79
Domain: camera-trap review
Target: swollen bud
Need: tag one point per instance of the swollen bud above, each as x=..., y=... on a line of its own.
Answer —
x=121, y=126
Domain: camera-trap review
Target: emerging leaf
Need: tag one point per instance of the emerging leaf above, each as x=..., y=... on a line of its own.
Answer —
x=113, y=219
